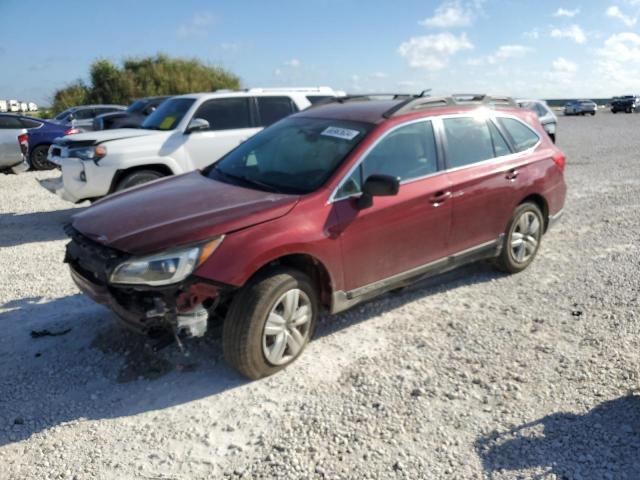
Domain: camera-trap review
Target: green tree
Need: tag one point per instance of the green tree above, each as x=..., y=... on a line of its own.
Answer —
x=142, y=77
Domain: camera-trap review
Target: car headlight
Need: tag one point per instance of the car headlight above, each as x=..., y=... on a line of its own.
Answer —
x=164, y=268
x=89, y=153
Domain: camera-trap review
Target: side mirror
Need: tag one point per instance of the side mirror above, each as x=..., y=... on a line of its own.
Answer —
x=377, y=185
x=197, y=125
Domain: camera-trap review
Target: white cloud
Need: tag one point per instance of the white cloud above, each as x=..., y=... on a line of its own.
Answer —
x=563, y=65
x=615, y=12
x=533, y=34
x=277, y=72
x=573, y=32
x=198, y=26
x=432, y=52
x=293, y=63
x=502, y=53
x=379, y=75
x=450, y=14
x=564, y=12
x=622, y=48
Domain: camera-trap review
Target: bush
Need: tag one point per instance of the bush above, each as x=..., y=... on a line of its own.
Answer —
x=143, y=77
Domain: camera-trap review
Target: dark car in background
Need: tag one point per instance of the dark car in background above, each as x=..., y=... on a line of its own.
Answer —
x=82, y=116
x=626, y=103
x=132, y=117
x=41, y=134
x=580, y=107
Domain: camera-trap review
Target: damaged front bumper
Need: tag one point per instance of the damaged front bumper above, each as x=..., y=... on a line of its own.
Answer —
x=185, y=308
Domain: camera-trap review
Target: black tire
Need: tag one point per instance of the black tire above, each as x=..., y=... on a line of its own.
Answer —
x=614, y=111
x=507, y=261
x=38, y=158
x=593, y=114
x=137, y=178
x=242, y=335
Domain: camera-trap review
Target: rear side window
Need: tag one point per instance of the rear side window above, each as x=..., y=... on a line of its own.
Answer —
x=28, y=123
x=469, y=141
x=84, y=114
x=317, y=98
x=226, y=113
x=10, y=122
x=273, y=109
x=523, y=137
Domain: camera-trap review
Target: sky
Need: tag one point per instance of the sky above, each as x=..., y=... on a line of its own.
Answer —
x=523, y=48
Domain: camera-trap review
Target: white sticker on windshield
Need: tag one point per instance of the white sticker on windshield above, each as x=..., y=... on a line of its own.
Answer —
x=343, y=133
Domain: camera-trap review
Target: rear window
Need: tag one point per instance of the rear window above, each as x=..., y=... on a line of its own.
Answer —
x=28, y=123
x=273, y=109
x=317, y=98
x=523, y=137
x=10, y=122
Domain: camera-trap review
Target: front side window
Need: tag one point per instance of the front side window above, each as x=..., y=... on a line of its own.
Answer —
x=406, y=153
x=273, y=109
x=226, y=113
x=169, y=114
x=296, y=155
x=523, y=137
x=469, y=141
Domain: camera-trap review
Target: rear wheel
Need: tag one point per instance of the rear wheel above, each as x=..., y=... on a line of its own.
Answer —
x=522, y=239
x=270, y=322
x=38, y=158
x=137, y=178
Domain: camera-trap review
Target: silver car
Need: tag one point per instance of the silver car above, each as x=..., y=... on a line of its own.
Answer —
x=82, y=117
x=14, y=145
x=547, y=118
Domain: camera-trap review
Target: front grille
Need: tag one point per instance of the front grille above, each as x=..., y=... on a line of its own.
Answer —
x=92, y=260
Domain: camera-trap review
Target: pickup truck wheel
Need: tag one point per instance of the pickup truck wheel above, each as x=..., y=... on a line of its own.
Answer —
x=38, y=158
x=137, y=178
x=522, y=239
x=270, y=322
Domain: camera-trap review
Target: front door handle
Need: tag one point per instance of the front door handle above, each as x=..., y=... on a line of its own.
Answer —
x=512, y=174
x=440, y=197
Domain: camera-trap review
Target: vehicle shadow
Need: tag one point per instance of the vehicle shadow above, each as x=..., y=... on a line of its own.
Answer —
x=603, y=443
x=22, y=228
x=99, y=370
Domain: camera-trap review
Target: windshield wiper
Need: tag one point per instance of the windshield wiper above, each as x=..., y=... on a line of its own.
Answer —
x=248, y=181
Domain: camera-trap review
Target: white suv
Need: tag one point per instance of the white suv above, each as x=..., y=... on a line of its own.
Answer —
x=185, y=133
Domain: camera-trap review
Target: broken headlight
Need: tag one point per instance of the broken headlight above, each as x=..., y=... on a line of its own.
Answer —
x=164, y=268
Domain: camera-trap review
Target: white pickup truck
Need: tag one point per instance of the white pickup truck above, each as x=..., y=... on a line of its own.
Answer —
x=185, y=133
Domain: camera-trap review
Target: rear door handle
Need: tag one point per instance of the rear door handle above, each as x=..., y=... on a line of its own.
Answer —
x=440, y=197
x=512, y=174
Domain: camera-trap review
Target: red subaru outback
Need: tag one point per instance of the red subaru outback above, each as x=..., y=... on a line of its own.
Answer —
x=321, y=211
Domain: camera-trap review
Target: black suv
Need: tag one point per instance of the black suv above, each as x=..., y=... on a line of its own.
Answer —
x=132, y=117
x=626, y=103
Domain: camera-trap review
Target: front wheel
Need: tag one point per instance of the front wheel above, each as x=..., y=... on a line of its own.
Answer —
x=270, y=322
x=137, y=178
x=522, y=239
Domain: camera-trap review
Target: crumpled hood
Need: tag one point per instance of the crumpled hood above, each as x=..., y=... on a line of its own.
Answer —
x=95, y=138
x=176, y=211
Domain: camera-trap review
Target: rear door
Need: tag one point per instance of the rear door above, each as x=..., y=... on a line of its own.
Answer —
x=485, y=180
x=402, y=232
x=231, y=122
x=10, y=128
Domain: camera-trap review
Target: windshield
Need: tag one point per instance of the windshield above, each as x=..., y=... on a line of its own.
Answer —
x=62, y=115
x=137, y=106
x=168, y=115
x=295, y=155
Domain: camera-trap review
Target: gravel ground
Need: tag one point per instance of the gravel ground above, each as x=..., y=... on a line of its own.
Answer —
x=473, y=374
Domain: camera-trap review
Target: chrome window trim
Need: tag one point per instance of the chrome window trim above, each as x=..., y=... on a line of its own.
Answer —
x=437, y=122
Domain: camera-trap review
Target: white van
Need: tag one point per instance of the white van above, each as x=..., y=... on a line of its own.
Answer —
x=3, y=106
x=185, y=133
x=14, y=106
x=33, y=107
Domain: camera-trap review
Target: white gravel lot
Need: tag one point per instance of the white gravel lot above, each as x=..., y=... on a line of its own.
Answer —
x=473, y=374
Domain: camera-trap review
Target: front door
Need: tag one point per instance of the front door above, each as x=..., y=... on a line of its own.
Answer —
x=401, y=232
x=230, y=124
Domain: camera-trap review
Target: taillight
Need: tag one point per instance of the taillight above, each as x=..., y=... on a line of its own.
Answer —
x=559, y=159
x=23, y=140
x=71, y=131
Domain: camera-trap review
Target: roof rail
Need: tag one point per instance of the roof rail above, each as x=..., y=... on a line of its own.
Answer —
x=362, y=97
x=420, y=103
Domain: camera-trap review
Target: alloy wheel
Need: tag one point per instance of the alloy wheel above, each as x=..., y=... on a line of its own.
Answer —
x=525, y=237
x=286, y=330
